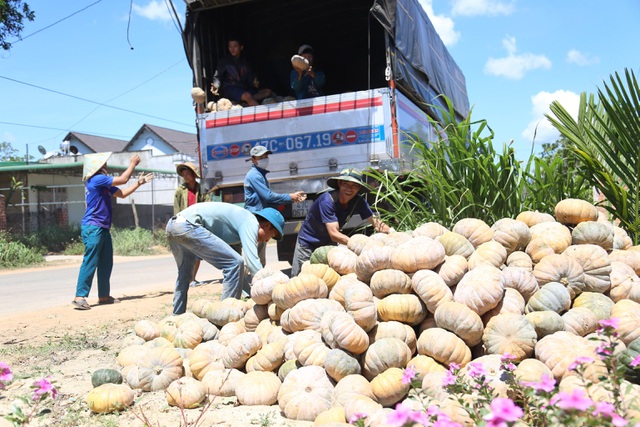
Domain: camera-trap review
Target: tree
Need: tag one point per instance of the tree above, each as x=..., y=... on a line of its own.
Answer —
x=12, y=14
x=8, y=153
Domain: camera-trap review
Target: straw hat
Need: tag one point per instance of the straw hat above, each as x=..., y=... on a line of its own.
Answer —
x=93, y=163
x=299, y=63
x=187, y=165
x=350, y=174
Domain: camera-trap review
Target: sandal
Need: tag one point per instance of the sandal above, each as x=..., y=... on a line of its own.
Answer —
x=81, y=304
x=108, y=300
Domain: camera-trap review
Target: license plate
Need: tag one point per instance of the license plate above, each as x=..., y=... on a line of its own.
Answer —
x=300, y=209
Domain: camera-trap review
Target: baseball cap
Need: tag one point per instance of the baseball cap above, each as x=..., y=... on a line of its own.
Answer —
x=305, y=48
x=259, y=150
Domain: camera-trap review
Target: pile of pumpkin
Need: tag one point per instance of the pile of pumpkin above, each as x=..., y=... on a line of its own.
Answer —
x=334, y=341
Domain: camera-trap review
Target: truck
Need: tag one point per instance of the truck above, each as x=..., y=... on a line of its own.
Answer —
x=386, y=69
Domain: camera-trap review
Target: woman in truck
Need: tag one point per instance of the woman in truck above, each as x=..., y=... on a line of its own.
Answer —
x=234, y=78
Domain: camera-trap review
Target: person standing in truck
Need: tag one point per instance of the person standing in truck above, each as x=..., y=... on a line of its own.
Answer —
x=258, y=194
x=216, y=232
x=306, y=81
x=234, y=78
x=328, y=215
x=187, y=194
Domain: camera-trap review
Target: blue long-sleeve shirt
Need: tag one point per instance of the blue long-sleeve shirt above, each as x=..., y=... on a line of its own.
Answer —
x=307, y=86
x=231, y=223
x=257, y=194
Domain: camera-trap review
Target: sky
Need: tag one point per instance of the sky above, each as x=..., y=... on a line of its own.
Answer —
x=106, y=67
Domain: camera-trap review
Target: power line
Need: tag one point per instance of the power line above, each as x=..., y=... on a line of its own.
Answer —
x=65, y=130
x=57, y=22
x=91, y=102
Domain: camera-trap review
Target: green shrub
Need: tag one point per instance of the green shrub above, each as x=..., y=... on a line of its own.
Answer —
x=52, y=238
x=134, y=242
x=15, y=254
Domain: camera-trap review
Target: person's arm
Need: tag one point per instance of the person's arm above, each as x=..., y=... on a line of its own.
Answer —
x=319, y=79
x=379, y=226
x=178, y=200
x=268, y=197
x=334, y=233
x=124, y=177
x=142, y=179
x=249, y=239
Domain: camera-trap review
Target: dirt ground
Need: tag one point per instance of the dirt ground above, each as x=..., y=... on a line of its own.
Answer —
x=69, y=345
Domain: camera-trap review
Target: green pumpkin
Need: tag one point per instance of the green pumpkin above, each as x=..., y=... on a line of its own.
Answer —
x=105, y=376
x=319, y=256
x=626, y=357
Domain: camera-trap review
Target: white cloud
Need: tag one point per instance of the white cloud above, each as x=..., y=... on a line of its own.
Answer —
x=545, y=132
x=482, y=7
x=8, y=137
x=154, y=10
x=579, y=58
x=443, y=24
x=514, y=66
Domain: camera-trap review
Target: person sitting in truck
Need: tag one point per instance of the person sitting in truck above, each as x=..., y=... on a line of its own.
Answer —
x=328, y=215
x=258, y=194
x=216, y=232
x=306, y=81
x=234, y=78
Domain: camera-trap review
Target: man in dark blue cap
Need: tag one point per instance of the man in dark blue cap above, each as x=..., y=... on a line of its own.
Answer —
x=216, y=232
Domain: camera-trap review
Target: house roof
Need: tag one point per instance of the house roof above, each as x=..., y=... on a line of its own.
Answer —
x=182, y=142
x=74, y=168
x=98, y=144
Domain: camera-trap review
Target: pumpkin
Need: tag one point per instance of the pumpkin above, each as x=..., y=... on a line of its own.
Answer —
x=423, y=365
x=494, y=376
x=287, y=367
x=593, y=233
x=580, y=321
x=342, y=260
x=268, y=358
x=206, y=357
x=431, y=289
x=627, y=356
x=349, y=387
x=509, y=333
x=621, y=239
x=358, y=242
x=521, y=280
x=240, y=349
x=388, y=387
x=254, y=316
x=309, y=349
x=596, y=266
x=158, y=368
x=159, y=342
x=562, y=269
x=304, y=286
x=476, y=231
x=553, y=296
x=545, y=322
x=372, y=258
x=560, y=349
x=258, y=388
x=384, y=354
x=109, y=397
x=332, y=417
x=481, y=289
x=443, y=346
x=319, y=255
x=356, y=407
x=520, y=259
x=222, y=382
x=130, y=355
x=531, y=370
x=188, y=335
x=230, y=331
x=221, y=312
x=575, y=211
x=599, y=304
x=389, y=281
x=338, y=364
x=532, y=218
x=512, y=234
x=455, y=244
x=461, y=320
x=323, y=271
x=623, y=279
x=628, y=314
x=538, y=249
x=186, y=393
x=429, y=229
x=453, y=269
x=512, y=302
x=305, y=393
x=491, y=253
x=105, y=376
x=395, y=239
x=131, y=339
x=553, y=234
x=307, y=314
x=348, y=335
x=337, y=292
x=199, y=307
x=405, y=308
x=147, y=329
x=358, y=302
x=394, y=329
x=417, y=254
x=263, y=283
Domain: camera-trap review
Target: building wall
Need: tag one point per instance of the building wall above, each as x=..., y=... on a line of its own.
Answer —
x=148, y=140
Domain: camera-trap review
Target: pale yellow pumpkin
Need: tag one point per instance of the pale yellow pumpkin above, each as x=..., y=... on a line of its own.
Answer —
x=563, y=269
x=512, y=302
x=356, y=406
x=188, y=335
x=351, y=386
x=158, y=368
x=311, y=353
x=593, y=233
x=258, y=388
x=532, y=218
x=474, y=230
x=481, y=289
x=263, y=283
x=545, y=322
x=254, y=316
x=580, y=321
x=560, y=349
x=394, y=329
x=532, y=370
x=304, y=286
x=554, y=234
x=383, y=354
x=323, y=271
x=520, y=259
x=599, y=304
x=348, y=335
x=417, y=254
x=230, y=331
x=429, y=229
x=628, y=314
x=390, y=281
x=423, y=365
x=222, y=382
x=453, y=269
x=358, y=242
x=388, y=387
x=575, y=211
x=268, y=358
x=512, y=234
x=186, y=393
x=509, y=333
x=595, y=264
x=147, y=329
x=431, y=289
x=337, y=292
x=405, y=308
x=521, y=280
x=240, y=349
x=372, y=258
x=199, y=307
x=461, y=320
x=109, y=398
x=623, y=279
x=332, y=417
x=307, y=314
x=455, y=244
x=443, y=346
x=491, y=253
x=131, y=354
x=339, y=363
x=222, y=312
x=305, y=393
x=358, y=302
x=342, y=260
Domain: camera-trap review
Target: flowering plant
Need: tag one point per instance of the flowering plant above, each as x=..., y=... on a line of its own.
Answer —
x=43, y=389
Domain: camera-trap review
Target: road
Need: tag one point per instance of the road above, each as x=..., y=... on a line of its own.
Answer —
x=32, y=289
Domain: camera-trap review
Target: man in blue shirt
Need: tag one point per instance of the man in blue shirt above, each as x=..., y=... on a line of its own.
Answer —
x=216, y=232
x=96, y=225
x=258, y=194
x=329, y=213
x=307, y=83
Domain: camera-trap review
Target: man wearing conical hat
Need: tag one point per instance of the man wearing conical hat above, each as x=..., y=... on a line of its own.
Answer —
x=328, y=215
x=96, y=224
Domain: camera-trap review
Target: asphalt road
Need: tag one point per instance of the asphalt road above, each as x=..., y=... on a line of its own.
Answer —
x=32, y=289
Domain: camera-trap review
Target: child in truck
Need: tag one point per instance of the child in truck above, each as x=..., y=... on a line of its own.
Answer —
x=306, y=81
x=234, y=78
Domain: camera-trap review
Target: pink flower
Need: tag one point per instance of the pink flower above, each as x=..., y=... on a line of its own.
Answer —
x=576, y=400
x=547, y=384
x=503, y=410
x=400, y=415
x=614, y=322
x=408, y=375
x=357, y=417
x=579, y=361
x=506, y=362
x=604, y=408
x=5, y=372
x=448, y=379
x=476, y=370
x=635, y=362
x=453, y=367
x=43, y=387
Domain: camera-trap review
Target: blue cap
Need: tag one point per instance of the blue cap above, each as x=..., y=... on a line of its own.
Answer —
x=274, y=217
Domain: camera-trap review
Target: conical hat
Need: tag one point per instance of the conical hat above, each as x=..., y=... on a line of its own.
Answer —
x=93, y=163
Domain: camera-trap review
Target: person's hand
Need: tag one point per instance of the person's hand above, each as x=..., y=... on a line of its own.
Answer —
x=214, y=89
x=135, y=160
x=298, y=196
x=311, y=73
x=143, y=179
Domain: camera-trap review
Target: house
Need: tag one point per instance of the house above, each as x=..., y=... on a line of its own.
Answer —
x=51, y=191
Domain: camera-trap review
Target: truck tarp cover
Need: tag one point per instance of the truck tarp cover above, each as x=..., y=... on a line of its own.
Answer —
x=415, y=67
